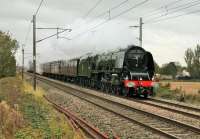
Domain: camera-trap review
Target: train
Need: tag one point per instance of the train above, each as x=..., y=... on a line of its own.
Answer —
x=127, y=72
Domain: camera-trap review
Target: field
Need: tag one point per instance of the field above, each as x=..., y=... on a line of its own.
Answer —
x=187, y=87
x=188, y=92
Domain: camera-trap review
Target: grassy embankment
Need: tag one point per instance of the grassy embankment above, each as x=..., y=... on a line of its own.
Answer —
x=25, y=114
x=166, y=91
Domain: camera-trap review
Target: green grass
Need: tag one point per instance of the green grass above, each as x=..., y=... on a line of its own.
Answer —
x=37, y=114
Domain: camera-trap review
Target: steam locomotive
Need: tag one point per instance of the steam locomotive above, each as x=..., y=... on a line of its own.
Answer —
x=126, y=71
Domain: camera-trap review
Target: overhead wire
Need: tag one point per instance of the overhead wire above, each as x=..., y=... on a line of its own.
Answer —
x=172, y=17
x=150, y=13
x=39, y=7
x=123, y=12
x=129, y=9
x=111, y=9
x=27, y=34
x=63, y=30
x=86, y=31
x=175, y=10
x=94, y=7
x=185, y=4
x=87, y=14
x=29, y=26
x=106, y=12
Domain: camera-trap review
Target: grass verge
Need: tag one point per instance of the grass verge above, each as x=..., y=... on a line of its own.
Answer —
x=25, y=114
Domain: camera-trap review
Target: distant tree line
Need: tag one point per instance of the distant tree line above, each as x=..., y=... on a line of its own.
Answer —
x=170, y=68
x=8, y=47
x=192, y=59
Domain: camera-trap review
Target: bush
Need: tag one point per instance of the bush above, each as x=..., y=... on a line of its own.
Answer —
x=182, y=97
x=168, y=85
x=10, y=119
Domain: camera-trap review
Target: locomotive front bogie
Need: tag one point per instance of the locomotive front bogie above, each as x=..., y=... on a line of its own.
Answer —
x=138, y=87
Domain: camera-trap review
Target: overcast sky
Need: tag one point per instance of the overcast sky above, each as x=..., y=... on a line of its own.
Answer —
x=166, y=40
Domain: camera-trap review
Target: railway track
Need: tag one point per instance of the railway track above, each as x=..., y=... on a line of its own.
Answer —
x=189, y=111
x=190, y=108
x=89, y=129
x=162, y=125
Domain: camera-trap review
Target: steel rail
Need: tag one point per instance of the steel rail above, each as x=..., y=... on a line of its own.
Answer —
x=92, y=131
x=148, y=102
x=192, y=128
x=176, y=105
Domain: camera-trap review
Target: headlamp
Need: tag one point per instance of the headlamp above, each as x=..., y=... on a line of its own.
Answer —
x=130, y=84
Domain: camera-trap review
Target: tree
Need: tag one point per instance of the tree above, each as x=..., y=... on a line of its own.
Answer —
x=196, y=62
x=169, y=69
x=8, y=47
x=192, y=59
x=157, y=68
x=189, y=55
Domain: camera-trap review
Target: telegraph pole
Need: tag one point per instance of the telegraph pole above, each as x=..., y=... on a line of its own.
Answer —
x=140, y=38
x=22, y=62
x=34, y=52
x=34, y=44
x=140, y=30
